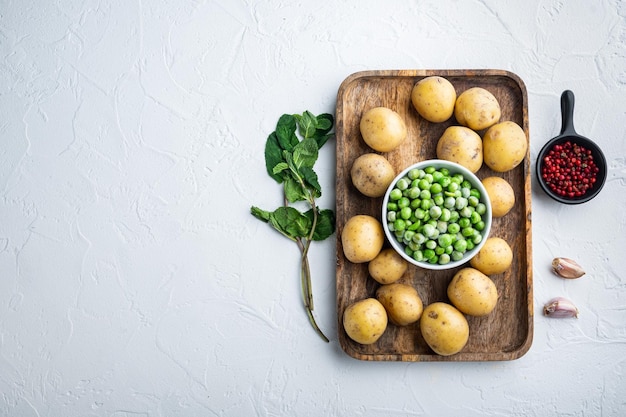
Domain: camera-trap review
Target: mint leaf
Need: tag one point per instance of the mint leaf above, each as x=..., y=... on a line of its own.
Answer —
x=325, y=225
x=310, y=178
x=307, y=124
x=286, y=132
x=290, y=222
x=305, y=153
x=273, y=157
x=260, y=214
x=293, y=190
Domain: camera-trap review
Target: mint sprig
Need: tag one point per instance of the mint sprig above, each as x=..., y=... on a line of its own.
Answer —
x=290, y=155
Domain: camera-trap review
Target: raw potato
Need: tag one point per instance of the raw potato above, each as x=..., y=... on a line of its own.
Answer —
x=494, y=257
x=362, y=238
x=473, y=292
x=477, y=108
x=382, y=129
x=461, y=145
x=501, y=194
x=402, y=303
x=434, y=98
x=444, y=328
x=365, y=321
x=387, y=267
x=504, y=146
x=372, y=174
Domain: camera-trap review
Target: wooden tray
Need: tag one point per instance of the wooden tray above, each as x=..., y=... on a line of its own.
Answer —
x=507, y=332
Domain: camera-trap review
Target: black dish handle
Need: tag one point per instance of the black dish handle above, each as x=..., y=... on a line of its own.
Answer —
x=567, y=113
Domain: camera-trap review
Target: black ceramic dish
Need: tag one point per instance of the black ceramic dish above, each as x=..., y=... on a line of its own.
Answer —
x=569, y=134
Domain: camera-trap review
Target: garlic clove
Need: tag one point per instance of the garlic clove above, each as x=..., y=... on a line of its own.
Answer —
x=560, y=308
x=567, y=268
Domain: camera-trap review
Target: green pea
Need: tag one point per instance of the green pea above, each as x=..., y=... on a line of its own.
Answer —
x=413, y=193
x=467, y=231
x=480, y=226
x=424, y=184
x=456, y=255
x=399, y=224
x=428, y=230
x=391, y=216
x=460, y=203
x=438, y=199
x=475, y=217
x=437, y=176
x=464, y=222
x=466, y=212
x=445, y=215
x=460, y=245
x=403, y=202
x=445, y=182
x=418, y=255
x=472, y=201
x=436, y=188
x=439, y=251
x=392, y=206
x=395, y=194
x=444, y=240
x=402, y=184
x=425, y=195
x=413, y=174
x=415, y=203
x=419, y=238
x=453, y=228
x=426, y=204
x=429, y=253
x=435, y=212
x=481, y=208
x=406, y=213
x=420, y=213
x=429, y=170
x=475, y=193
x=430, y=244
x=445, y=172
x=444, y=258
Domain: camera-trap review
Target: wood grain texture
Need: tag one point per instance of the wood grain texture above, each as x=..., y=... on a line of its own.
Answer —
x=506, y=333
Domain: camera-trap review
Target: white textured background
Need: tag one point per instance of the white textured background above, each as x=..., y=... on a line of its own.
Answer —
x=133, y=280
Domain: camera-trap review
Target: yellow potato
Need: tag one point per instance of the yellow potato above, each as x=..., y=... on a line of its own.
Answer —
x=402, y=303
x=382, y=129
x=362, y=238
x=501, y=195
x=504, y=146
x=461, y=145
x=387, y=267
x=494, y=257
x=444, y=328
x=365, y=321
x=434, y=98
x=371, y=174
x=477, y=108
x=473, y=292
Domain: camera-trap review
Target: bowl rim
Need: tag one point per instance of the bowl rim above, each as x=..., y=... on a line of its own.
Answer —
x=455, y=168
x=598, y=157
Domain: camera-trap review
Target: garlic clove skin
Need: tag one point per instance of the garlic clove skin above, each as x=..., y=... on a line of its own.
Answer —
x=560, y=308
x=567, y=268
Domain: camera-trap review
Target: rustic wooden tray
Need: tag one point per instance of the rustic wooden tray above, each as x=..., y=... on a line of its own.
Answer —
x=507, y=332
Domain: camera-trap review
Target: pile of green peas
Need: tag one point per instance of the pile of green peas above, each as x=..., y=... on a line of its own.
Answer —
x=437, y=216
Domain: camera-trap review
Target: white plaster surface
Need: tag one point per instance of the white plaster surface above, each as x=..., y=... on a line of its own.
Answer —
x=133, y=280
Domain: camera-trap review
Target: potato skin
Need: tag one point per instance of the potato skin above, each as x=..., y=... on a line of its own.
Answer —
x=494, y=257
x=461, y=145
x=365, y=321
x=477, y=108
x=402, y=303
x=444, y=328
x=387, y=267
x=362, y=238
x=382, y=129
x=504, y=146
x=433, y=98
x=501, y=195
x=372, y=174
x=473, y=292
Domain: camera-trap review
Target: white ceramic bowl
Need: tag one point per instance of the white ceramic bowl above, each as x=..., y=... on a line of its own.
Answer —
x=454, y=168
